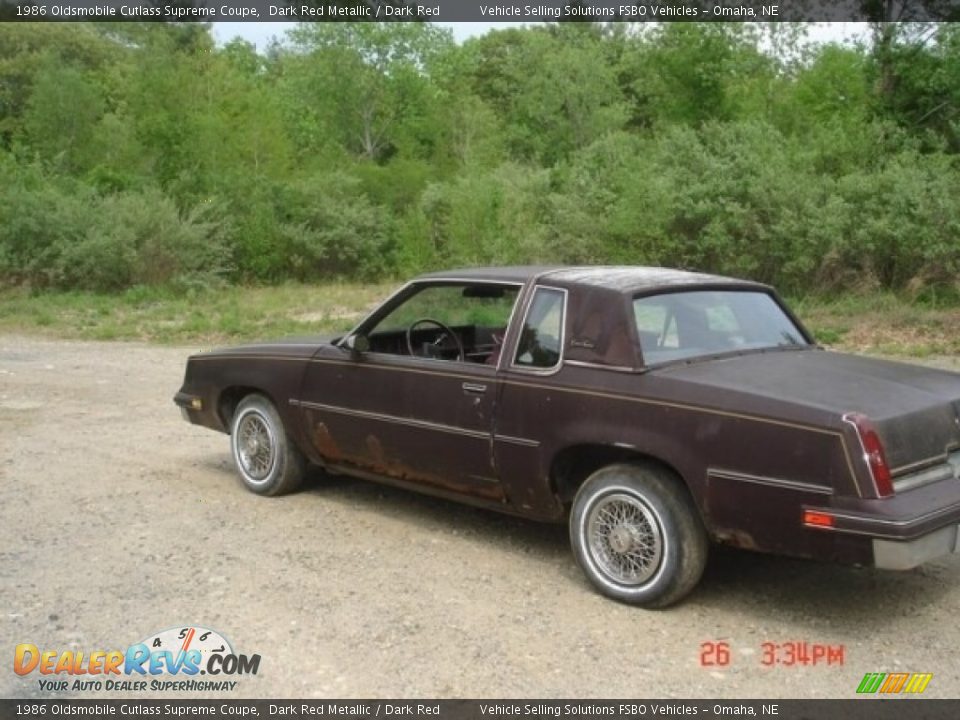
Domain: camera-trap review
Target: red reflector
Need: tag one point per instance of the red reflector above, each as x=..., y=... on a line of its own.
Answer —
x=873, y=453
x=817, y=519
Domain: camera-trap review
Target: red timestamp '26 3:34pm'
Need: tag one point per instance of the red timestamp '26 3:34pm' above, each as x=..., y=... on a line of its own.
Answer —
x=798, y=653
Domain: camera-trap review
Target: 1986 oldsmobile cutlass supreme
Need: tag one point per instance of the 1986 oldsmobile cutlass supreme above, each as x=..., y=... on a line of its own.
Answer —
x=652, y=409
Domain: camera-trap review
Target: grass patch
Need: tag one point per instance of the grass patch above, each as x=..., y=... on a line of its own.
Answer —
x=223, y=316
x=880, y=323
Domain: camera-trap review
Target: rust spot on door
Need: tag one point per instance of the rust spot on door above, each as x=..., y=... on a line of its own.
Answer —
x=325, y=442
x=375, y=453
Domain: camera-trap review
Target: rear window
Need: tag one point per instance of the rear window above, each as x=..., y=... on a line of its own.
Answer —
x=682, y=325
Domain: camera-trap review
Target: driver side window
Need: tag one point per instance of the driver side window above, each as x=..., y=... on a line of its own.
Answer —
x=448, y=321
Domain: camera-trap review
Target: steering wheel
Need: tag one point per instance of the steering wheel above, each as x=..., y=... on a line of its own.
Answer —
x=438, y=343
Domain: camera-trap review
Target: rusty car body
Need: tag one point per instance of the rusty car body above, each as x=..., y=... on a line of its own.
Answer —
x=653, y=410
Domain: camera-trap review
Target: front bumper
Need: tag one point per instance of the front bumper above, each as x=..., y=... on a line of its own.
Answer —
x=907, y=554
x=187, y=404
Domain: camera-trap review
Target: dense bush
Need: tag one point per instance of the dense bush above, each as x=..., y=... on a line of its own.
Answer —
x=331, y=229
x=70, y=237
x=736, y=198
x=38, y=219
x=902, y=226
x=141, y=238
x=486, y=218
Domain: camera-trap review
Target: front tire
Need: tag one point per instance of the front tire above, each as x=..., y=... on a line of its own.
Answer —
x=637, y=535
x=267, y=460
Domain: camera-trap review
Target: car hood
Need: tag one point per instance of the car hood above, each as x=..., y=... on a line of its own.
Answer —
x=914, y=408
x=288, y=346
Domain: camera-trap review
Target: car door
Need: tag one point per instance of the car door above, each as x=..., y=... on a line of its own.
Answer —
x=425, y=421
x=528, y=407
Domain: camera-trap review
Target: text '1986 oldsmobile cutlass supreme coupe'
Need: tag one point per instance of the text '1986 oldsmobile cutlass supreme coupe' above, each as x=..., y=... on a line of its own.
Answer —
x=653, y=410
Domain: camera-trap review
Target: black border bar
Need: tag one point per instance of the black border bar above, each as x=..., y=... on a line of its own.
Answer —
x=523, y=11
x=230, y=709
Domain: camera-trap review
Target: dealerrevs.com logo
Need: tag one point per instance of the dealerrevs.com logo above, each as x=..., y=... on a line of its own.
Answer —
x=170, y=660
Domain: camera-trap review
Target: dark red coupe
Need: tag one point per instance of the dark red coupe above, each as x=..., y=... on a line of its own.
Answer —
x=654, y=410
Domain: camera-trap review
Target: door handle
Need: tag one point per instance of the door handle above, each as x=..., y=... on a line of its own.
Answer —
x=474, y=388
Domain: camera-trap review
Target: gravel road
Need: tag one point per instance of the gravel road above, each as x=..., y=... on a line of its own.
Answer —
x=118, y=520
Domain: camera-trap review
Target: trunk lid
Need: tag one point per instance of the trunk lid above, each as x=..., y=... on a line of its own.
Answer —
x=913, y=408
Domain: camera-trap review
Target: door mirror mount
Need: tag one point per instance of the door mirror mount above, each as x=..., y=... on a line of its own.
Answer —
x=357, y=344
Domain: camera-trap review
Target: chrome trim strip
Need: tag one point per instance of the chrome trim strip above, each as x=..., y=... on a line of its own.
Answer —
x=678, y=405
x=421, y=424
x=252, y=356
x=411, y=422
x=866, y=461
x=483, y=478
x=416, y=358
x=599, y=366
x=864, y=533
x=894, y=523
x=516, y=441
x=468, y=281
x=874, y=534
x=919, y=465
x=554, y=369
x=770, y=481
x=501, y=361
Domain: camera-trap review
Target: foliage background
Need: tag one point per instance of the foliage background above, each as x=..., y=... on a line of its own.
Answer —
x=145, y=155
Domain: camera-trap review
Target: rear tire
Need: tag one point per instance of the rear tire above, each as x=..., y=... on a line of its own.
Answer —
x=265, y=457
x=637, y=536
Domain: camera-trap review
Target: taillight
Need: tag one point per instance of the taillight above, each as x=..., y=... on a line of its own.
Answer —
x=873, y=453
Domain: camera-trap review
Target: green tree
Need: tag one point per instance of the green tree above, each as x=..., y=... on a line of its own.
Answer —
x=371, y=77
x=554, y=89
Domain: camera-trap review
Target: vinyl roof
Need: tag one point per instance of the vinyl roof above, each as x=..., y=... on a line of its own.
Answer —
x=623, y=278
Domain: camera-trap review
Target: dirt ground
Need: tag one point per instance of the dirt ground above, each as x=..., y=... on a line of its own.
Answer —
x=118, y=520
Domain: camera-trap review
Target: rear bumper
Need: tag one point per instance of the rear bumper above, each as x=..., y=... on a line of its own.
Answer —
x=898, y=532
x=906, y=554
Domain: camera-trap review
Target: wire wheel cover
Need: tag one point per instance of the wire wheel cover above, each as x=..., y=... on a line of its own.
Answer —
x=624, y=538
x=255, y=446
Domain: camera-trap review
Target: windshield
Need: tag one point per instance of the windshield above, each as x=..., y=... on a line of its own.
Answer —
x=683, y=325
